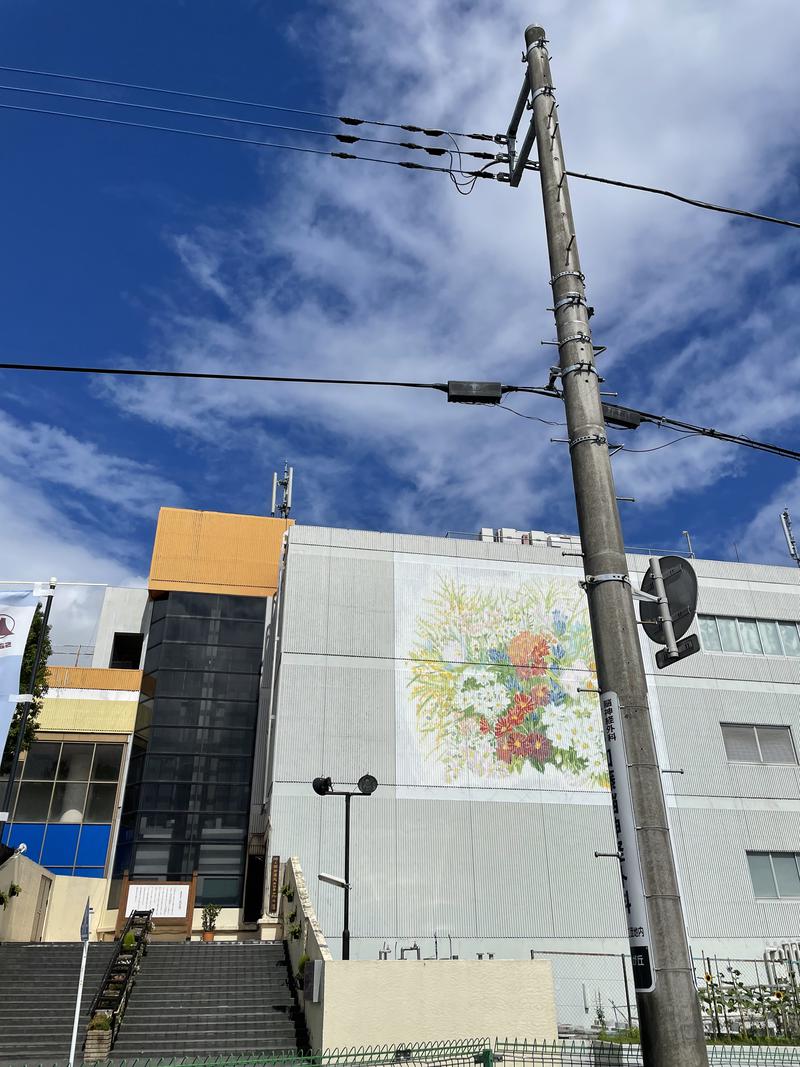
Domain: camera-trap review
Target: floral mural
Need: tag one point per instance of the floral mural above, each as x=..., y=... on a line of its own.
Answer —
x=498, y=683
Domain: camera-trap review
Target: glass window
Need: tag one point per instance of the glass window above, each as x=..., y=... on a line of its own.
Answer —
x=740, y=743
x=31, y=835
x=709, y=634
x=786, y=874
x=33, y=801
x=776, y=744
x=222, y=891
x=791, y=642
x=729, y=635
x=76, y=762
x=68, y=802
x=761, y=874
x=60, y=845
x=100, y=803
x=126, y=651
x=751, y=642
x=93, y=846
x=42, y=760
x=770, y=638
x=107, y=760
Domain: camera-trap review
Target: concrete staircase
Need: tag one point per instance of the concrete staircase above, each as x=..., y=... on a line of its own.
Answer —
x=38, y=985
x=198, y=999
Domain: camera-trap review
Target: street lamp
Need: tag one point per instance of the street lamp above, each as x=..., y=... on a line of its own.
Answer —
x=323, y=787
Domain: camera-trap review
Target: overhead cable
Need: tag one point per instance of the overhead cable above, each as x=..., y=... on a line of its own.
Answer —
x=442, y=387
x=407, y=164
x=706, y=205
x=344, y=138
x=347, y=120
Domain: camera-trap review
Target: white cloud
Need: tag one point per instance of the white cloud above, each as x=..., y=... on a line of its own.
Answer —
x=354, y=270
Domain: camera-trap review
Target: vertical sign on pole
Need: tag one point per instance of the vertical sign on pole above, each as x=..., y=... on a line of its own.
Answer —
x=642, y=963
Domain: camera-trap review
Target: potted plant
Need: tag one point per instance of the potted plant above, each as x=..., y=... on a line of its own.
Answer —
x=98, y=1037
x=210, y=913
x=14, y=890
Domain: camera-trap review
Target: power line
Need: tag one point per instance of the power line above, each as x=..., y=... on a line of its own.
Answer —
x=442, y=387
x=342, y=137
x=409, y=165
x=429, y=131
x=706, y=205
x=658, y=448
x=136, y=372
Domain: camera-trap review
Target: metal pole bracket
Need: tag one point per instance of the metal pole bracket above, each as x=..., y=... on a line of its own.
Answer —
x=595, y=438
x=598, y=579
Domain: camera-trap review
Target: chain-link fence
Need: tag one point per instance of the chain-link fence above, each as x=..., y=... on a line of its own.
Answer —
x=594, y=990
x=750, y=999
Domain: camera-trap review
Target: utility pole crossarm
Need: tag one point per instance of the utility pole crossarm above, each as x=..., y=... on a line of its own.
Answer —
x=669, y=1011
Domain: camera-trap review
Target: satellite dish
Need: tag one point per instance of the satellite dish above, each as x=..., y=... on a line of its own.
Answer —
x=680, y=585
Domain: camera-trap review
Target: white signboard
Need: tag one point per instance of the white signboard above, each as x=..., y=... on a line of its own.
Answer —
x=165, y=901
x=16, y=615
x=642, y=962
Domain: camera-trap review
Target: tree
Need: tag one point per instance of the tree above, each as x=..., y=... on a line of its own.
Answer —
x=39, y=688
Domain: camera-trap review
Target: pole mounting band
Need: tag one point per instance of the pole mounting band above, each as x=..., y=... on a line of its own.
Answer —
x=568, y=274
x=598, y=579
x=595, y=438
x=573, y=299
x=543, y=90
x=576, y=368
x=584, y=339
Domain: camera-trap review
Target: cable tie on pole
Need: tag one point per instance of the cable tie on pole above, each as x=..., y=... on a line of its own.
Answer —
x=571, y=299
x=543, y=90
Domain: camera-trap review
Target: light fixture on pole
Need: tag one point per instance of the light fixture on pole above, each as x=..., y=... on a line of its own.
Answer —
x=323, y=787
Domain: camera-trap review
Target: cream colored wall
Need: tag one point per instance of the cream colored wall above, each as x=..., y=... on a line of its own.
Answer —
x=378, y=1002
x=16, y=919
x=374, y=1002
x=67, y=902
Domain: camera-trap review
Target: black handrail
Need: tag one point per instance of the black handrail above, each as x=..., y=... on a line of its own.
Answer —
x=141, y=921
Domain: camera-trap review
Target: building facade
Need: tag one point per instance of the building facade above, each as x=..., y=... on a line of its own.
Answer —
x=460, y=674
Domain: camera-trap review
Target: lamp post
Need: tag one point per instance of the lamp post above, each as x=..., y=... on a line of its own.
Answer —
x=323, y=787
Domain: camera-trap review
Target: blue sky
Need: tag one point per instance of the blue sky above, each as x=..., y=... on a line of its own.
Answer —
x=149, y=249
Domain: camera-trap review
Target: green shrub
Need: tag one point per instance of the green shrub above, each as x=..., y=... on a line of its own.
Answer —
x=100, y=1022
x=14, y=890
x=210, y=913
x=129, y=940
x=301, y=967
x=288, y=892
x=294, y=931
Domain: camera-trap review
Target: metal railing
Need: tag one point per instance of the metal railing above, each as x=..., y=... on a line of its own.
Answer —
x=119, y=979
x=479, y=1052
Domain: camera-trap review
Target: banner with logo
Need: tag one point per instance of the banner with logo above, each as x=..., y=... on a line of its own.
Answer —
x=16, y=615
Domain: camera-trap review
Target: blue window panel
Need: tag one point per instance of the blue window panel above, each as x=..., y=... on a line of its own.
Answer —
x=60, y=845
x=93, y=846
x=60, y=870
x=89, y=872
x=30, y=834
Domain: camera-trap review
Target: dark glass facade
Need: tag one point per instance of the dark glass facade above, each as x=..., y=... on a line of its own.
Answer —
x=187, y=798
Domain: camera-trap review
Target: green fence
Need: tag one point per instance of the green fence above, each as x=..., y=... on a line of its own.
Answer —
x=475, y=1053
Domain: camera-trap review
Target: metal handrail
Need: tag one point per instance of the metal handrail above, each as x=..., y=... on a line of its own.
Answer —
x=143, y=919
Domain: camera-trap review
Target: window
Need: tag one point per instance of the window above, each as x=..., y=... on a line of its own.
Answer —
x=126, y=651
x=758, y=744
x=64, y=805
x=755, y=637
x=775, y=875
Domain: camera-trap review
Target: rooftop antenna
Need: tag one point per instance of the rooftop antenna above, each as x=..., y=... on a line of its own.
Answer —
x=689, y=543
x=286, y=485
x=791, y=544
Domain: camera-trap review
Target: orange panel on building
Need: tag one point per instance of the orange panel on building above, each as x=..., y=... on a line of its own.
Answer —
x=94, y=678
x=212, y=552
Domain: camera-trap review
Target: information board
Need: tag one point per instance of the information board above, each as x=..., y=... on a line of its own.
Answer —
x=642, y=963
x=166, y=900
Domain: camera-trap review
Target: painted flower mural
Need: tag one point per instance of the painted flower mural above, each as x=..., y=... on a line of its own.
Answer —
x=499, y=682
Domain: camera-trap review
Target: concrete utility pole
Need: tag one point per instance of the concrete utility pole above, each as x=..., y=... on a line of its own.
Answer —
x=669, y=1013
